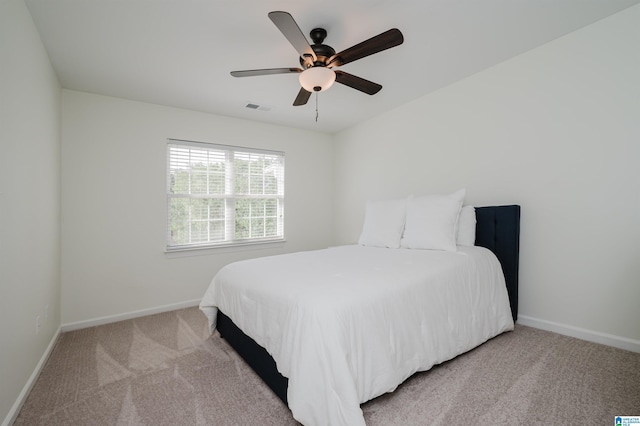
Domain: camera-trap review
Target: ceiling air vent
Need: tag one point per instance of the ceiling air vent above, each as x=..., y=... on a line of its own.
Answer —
x=258, y=107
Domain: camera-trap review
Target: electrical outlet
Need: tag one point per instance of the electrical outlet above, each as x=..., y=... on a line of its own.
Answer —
x=38, y=324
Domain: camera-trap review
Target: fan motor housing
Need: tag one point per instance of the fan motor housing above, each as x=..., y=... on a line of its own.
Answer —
x=323, y=52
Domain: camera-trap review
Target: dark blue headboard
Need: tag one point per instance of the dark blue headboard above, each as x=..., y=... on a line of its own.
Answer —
x=498, y=229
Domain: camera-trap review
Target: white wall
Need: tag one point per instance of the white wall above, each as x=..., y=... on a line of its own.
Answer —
x=29, y=200
x=556, y=130
x=114, y=201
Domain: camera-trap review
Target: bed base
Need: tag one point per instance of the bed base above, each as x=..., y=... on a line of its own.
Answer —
x=497, y=228
x=255, y=355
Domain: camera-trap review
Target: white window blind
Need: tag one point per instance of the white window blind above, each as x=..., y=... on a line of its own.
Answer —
x=223, y=195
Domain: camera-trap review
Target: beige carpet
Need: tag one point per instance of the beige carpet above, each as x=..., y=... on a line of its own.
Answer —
x=165, y=369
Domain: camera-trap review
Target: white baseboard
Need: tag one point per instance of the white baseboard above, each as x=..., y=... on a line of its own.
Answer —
x=581, y=333
x=15, y=409
x=128, y=315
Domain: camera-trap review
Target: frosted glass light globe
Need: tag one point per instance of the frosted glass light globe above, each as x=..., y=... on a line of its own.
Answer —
x=317, y=79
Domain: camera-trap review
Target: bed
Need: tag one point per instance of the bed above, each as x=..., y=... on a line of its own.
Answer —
x=332, y=338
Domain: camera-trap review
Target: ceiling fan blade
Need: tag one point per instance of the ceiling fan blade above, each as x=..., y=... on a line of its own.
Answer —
x=384, y=41
x=358, y=83
x=290, y=29
x=302, y=98
x=268, y=71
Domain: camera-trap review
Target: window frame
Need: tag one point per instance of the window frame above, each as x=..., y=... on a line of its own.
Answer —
x=230, y=197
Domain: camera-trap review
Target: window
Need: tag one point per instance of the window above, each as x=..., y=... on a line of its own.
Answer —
x=223, y=195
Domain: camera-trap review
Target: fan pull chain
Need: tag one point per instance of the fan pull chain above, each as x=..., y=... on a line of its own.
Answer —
x=316, y=107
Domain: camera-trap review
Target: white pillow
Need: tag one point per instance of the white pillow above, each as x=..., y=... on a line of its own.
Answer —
x=432, y=221
x=467, y=226
x=383, y=223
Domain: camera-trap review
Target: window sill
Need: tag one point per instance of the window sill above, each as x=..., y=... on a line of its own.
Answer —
x=219, y=249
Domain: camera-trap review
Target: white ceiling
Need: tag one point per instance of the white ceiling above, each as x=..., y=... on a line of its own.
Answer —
x=180, y=52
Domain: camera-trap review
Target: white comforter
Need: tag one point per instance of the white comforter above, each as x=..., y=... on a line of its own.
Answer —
x=350, y=323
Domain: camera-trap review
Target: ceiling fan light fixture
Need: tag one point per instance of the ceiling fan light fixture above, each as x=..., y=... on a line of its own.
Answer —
x=317, y=79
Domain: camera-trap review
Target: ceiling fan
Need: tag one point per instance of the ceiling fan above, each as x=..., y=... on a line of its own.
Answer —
x=318, y=60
